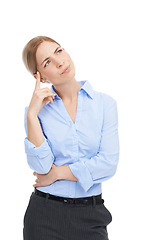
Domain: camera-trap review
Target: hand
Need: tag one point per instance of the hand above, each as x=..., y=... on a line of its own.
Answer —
x=46, y=179
x=40, y=97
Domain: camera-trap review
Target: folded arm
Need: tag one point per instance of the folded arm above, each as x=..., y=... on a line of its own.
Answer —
x=103, y=165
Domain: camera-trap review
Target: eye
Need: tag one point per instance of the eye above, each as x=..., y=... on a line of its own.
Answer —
x=46, y=64
x=60, y=50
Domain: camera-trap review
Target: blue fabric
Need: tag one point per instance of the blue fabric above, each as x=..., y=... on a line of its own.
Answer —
x=90, y=146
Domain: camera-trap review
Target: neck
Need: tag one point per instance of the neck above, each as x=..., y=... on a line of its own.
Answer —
x=68, y=91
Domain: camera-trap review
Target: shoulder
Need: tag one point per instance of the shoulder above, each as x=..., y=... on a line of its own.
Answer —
x=105, y=98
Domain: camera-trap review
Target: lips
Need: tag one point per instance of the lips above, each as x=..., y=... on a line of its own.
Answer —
x=66, y=70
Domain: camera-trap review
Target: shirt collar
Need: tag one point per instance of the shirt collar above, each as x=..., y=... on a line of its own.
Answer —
x=86, y=86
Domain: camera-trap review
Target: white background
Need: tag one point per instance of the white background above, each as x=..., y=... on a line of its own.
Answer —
x=116, y=46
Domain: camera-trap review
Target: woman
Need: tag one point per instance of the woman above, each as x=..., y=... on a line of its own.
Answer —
x=72, y=145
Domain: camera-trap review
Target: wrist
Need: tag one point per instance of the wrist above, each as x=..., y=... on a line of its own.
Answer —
x=31, y=114
x=64, y=173
x=58, y=173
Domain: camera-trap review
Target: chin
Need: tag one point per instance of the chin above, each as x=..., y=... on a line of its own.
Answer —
x=70, y=75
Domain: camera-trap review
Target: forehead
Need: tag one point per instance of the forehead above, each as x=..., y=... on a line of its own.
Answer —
x=44, y=50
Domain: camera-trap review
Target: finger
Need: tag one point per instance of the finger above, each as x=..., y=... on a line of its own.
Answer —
x=51, y=100
x=44, y=93
x=44, y=96
x=46, y=99
x=45, y=90
x=37, y=86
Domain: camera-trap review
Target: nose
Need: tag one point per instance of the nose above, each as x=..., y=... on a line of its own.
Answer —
x=60, y=64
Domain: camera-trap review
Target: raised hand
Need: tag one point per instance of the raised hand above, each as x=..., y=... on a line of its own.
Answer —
x=40, y=97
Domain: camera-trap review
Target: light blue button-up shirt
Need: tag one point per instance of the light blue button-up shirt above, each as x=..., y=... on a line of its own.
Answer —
x=90, y=146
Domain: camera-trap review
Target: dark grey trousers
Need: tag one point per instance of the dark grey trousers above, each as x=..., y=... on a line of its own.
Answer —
x=47, y=219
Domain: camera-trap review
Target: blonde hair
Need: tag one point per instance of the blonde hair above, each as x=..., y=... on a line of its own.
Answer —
x=29, y=52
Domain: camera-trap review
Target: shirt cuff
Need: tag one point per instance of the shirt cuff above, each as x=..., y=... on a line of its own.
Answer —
x=42, y=151
x=40, y=159
x=81, y=172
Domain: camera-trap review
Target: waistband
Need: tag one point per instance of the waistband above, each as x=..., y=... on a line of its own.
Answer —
x=97, y=199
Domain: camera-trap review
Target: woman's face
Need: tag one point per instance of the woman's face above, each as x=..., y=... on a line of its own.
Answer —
x=52, y=60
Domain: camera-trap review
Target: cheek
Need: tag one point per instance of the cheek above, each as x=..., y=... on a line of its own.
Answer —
x=72, y=63
x=50, y=72
x=67, y=56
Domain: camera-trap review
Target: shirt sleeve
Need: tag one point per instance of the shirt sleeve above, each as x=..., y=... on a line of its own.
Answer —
x=103, y=165
x=40, y=159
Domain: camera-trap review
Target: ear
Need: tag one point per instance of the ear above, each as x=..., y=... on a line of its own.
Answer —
x=42, y=79
x=35, y=75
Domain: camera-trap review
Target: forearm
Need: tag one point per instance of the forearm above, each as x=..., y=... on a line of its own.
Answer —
x=64, y=173
x=34, y=131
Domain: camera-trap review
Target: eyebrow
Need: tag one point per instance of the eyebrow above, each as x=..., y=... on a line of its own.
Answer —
x=48, y=57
